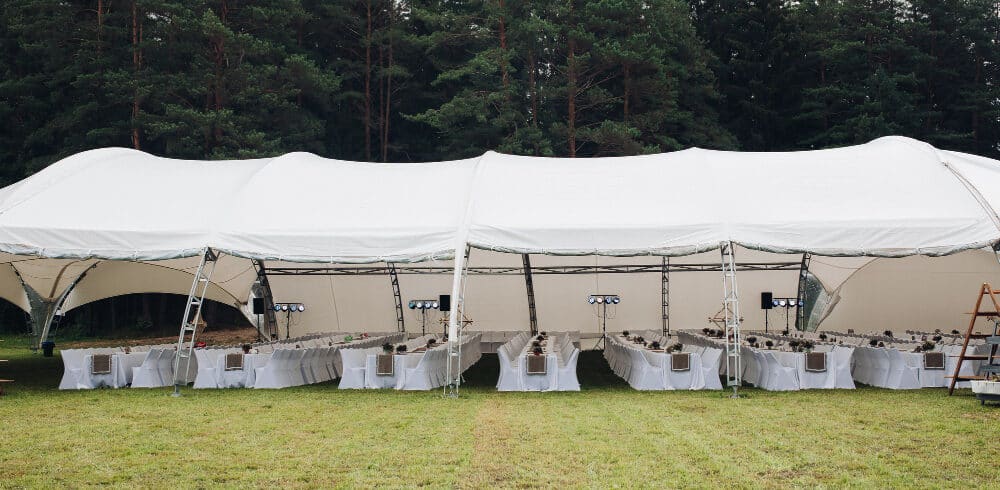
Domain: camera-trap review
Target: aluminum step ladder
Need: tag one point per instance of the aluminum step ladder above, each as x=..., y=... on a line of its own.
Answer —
x=192, y=316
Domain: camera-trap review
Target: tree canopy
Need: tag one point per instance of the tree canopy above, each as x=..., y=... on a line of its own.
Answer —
x=408, y=80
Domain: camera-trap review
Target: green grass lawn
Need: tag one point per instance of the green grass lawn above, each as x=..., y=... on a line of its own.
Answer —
x=606, y=435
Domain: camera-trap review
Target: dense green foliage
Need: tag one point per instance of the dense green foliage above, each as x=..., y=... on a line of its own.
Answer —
x=407, y=80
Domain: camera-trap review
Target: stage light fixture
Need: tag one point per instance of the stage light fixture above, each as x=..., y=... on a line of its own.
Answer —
x=782, y=302
x=774, y=302
x=284, y=307
x=602, y=301
x=434, y=305
x=302, y=308
x=413, y=305
x=277, y=307
x=420, y=305
x=802, y=303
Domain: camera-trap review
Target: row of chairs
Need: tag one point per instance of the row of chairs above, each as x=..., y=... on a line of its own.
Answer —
x=695, y=368
x=558, y=368
x=430, y=370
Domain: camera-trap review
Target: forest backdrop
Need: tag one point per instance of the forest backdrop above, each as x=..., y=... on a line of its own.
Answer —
x=409, y=80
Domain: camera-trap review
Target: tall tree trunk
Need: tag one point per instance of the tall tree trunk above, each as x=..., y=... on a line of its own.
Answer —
x=381, y=93
x=161, y=311
x=571, y=90
x=368, y=83
x=136, y=67
x=100, y=26
x=219, y=47
x=975, y=110
x=571, y=96
x=627, y=80
x=533, y=88
x=388, y=89
x=147, y=315
x=298, y=42
x=504, y=76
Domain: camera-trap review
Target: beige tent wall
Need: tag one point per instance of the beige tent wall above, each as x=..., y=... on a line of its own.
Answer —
x=11, y=289
x=364, y=303
x=910, y=293
x=913, y=293
x=110, y=278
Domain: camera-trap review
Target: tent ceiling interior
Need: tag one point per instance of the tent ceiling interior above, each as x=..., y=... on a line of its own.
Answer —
x=116, y=221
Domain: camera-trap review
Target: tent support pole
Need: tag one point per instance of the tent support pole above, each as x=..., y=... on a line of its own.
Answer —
x=397, y=297
x=47, y=309
x=264, y=291
x=731, y=307
x=665, y=295
x=530, y=285
x=455, y=320
x=800, y=311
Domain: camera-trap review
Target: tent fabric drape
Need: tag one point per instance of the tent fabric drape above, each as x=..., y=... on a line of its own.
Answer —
x=891, y=197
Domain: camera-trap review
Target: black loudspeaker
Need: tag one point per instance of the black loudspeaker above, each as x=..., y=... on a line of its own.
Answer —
x=766, y=300
x=258, y=306
x=444, y=301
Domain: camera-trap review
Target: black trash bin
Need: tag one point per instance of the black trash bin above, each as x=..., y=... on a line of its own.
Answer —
x=47, y=347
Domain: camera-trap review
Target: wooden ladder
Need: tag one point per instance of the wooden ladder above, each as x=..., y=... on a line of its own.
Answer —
x=976, y=313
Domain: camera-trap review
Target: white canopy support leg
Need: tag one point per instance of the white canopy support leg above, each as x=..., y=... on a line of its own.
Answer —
x=455, y=321
x=731, y=307
x=44, y=311
x=192, y=316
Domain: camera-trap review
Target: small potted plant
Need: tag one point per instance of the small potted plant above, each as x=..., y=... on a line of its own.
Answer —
x=544, y=334
x=625, y=333
x=387, y=347
x=881, y=344
x=784, y=332
x=768, y=344
x=655, y=345
x=954, y=332
x=537, y=351
x=401, y=348
x=706, y=330
x=536, y=343
x=540, y=338
x=794, y=344
x=751, y=339
x=873, y=342
x=677, y=347
x=927, y=346
x=887, y=333
x=808, y=345
x=822, y=336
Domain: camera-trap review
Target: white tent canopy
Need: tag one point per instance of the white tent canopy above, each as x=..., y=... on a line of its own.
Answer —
x=892, y=197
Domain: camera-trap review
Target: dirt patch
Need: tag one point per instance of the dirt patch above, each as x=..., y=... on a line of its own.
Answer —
x=228, y=336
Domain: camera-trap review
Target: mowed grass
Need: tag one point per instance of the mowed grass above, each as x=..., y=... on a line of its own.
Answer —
x=604, y=436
